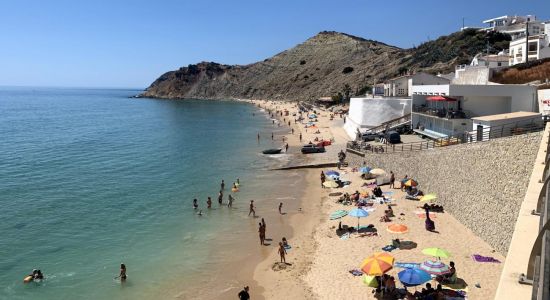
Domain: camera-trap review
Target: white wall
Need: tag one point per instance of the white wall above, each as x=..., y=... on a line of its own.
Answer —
x=483, y=105
x=365, y=113
x=521, y=98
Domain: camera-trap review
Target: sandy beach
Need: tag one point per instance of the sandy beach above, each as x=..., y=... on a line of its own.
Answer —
x=319, y=261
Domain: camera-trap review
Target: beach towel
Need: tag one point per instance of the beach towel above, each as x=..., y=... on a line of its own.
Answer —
x=356, y=272
x=404, y=265
x=481, y=258
x=388, y=248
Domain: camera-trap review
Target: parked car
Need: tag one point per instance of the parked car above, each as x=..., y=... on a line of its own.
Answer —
x=324, y=143
x=394, y=137
x=369, y=137
x=312, y=149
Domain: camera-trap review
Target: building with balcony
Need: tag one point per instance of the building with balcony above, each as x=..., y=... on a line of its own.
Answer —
x=401, y=86
x=538, y=47
x=515, y=26
x=440, y=111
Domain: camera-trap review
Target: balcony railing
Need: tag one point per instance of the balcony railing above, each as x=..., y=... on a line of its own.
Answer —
x=442, y=112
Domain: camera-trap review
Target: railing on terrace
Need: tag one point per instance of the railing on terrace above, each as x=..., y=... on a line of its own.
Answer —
x=484, y=135
x=390, y=124
x=442, y=112
x=538, y=268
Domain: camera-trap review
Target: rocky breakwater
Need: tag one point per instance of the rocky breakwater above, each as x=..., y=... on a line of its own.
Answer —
x=482, y=185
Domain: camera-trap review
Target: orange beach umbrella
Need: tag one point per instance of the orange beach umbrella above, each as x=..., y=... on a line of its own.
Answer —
x=398, y=228
x=411, y=182
x=377, y=264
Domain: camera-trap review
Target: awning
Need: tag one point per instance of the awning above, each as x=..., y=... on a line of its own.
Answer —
x=440, y=98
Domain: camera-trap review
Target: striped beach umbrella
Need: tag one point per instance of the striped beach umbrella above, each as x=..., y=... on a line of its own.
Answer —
x=338, y=214
x=437, y=252
x=428, y=197
x=398, y=228
x=411, y=182
x=434, y=267
x=377, y=264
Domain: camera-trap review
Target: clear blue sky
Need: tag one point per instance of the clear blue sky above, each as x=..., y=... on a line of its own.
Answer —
x=130, y=43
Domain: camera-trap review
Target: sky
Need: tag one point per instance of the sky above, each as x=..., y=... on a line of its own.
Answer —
x=129, y=44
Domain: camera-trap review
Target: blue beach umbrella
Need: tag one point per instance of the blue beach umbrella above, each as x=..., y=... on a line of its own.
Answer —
x=364, y=170
x=331, y=172
x=412, y=277
x=358, y=213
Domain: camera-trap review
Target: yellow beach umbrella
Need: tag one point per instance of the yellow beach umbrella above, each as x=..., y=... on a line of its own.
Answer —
x=330, y=184
x=377, y=264
x=398, y=228
x=428, y=197
x=437, y=252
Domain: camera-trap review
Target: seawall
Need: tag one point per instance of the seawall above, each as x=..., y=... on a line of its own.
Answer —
x=481, y=184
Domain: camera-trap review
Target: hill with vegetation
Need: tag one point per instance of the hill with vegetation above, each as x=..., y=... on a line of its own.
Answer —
x=324, y=65
x=533, y=71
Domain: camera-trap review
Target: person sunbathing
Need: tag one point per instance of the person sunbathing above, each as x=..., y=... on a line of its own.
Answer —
x=389, y=212
x=385, y=218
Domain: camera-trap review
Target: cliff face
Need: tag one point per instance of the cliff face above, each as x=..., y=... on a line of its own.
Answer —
x=321, y=66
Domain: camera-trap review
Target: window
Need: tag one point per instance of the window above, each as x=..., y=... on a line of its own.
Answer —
x=532, y=47
x=499, y=64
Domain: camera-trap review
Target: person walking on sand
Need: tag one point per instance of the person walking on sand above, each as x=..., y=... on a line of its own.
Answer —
x=323, y=178
x=261, y=231
x=252, y=211
x=220, y=197
x=282, y=252
x=222, y=185
x=292, y=128
x=300, y=137
x=209, y=203
x=281, y=208
x=243, y=295
x=392, y=180
x=286, y=148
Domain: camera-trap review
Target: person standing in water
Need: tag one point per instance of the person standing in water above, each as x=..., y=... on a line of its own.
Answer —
x=195, y=204
x=122, y=274
x=222, y=185
x=220, y=197
x=258, y=137
x=238, y=182
x=209, y=202
x=252, y=211
x=272, y=136
x=230, y=198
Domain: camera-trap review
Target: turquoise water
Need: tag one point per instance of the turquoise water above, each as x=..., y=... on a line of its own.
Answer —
x=91, y=178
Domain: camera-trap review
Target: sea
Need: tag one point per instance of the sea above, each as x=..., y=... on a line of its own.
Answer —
x=92, y=178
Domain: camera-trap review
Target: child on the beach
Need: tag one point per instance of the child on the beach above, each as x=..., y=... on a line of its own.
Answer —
x=282, y=252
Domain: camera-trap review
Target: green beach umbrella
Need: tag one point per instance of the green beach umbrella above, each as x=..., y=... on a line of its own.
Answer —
x=370, y=281
x=437, y=252
x=338, y=214
x=428, y=197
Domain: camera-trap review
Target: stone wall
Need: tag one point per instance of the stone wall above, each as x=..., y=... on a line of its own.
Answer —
x=481, y=184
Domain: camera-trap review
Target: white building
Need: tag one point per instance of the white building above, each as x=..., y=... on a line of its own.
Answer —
x=490, y=60
x=401, y=86
x=515, y=26
x=378, y=89
x=487, y=127
x=452, y=113
x=538, y=48
x=365, y=113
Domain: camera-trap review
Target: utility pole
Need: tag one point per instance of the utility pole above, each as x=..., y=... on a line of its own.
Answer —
x=462, y=24
x=527, y=41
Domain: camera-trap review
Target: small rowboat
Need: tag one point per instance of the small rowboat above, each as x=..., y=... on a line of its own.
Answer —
x=272, y=151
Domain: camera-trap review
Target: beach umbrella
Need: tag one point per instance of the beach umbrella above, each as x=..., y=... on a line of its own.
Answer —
x=412, y=277
x=428, y=197
x=377, y=264
x=370, y=281
x=435, y=267
x=330, y=184
x=338, y=214
x=411, y=182
x=398, y=228
x=331, y=172
x=377, y=172
x=364, y=170
x=358, y=213
x=437, y=252
x=332, y=177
